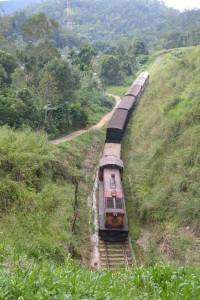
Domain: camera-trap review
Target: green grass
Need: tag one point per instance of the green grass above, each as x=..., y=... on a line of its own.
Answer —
x=26, y=279
x=37, y=188
x=121, y=90
x=162, y=150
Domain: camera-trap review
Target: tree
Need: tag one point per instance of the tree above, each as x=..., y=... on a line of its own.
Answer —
x=3, y=77
x=48, y=90
x=66, y=79
x=111, y=70
x=139, y=47
x=19, y=79
x=17, y=109
x=87, y=52
x=83, y=58
x=8, y=63
x=39, y=27
x=34, y=57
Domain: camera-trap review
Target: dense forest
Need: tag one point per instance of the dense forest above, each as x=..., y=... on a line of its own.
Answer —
x=102, y=22
x=43, y=90
x=38, y=49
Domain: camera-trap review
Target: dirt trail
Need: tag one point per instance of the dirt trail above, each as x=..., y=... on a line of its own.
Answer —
x=101, y=123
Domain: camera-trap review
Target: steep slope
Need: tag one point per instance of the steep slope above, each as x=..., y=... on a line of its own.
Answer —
x=164, y=158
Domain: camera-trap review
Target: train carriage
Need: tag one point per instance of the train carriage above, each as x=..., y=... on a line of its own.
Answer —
x=116, y=128
x=146, y=76
x=135, y=90
x=142, y=82
x=128, y=103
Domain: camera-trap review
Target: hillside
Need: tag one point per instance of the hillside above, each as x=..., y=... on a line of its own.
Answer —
x=103, y=22
x=37, y=190
x=163, y=161
x=107, y=24
x=161, y=156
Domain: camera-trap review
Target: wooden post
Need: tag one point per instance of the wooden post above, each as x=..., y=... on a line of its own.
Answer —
x=75, y=217
x=75, y=205
x=76, y=194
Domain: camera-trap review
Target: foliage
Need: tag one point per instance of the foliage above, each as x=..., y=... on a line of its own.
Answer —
x=102, y=22
x=66, y=79
x=83, y=58
x=181, y=31
x=38, y=27
x=37, y=184
x=35, y=56
x=7, y=65
x=42, y=90
x=110, y=70
x=164, y=165
x=139, y=47
x=29, y=280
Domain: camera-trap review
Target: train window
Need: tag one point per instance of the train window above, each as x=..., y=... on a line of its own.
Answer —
x=112, y=181
x=119, y=203
x=110, y=203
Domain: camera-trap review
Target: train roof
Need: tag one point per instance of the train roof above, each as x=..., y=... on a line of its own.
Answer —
x=112, y=149
x=141, y=81
x=109, y=161
x=118, y=119
x=127, y=102
x=109, y=175
x=134, y=90
x=145, y=74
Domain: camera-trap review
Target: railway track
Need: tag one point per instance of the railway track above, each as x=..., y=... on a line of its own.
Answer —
x=115, y=255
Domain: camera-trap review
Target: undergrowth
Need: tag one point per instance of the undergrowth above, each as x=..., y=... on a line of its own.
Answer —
x=25, y=279
x=37, y=192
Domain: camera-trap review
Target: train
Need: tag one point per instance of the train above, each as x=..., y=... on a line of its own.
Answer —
x=113, y=221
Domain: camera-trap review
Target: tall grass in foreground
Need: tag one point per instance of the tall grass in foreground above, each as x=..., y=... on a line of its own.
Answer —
x=28, y=280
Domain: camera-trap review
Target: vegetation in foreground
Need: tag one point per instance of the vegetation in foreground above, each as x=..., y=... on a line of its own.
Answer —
x=25, y=279
x=163, y=161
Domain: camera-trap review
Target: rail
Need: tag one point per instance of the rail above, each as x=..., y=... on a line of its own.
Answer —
x=115, y=255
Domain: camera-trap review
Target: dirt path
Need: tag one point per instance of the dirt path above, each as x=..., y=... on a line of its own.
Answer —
x=101, y=123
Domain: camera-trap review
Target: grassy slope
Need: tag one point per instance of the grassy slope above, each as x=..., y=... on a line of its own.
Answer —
x=163, y=161
x=37, y=194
